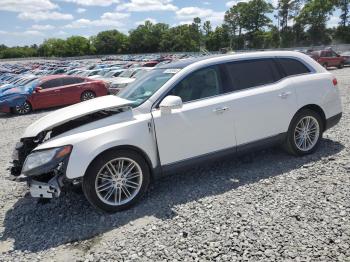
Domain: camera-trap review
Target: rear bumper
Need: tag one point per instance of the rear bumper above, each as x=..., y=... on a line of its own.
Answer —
x=332, y=121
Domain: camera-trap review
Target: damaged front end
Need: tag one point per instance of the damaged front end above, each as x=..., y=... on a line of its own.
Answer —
x=44, y=170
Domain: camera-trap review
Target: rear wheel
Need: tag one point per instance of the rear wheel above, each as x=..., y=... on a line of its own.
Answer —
x=325, y=65
x=116, y=180
x=23, y=109
x=305, y=133
x=87, y=95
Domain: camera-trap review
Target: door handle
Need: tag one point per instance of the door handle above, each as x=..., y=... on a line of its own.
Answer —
x=221, y=109
x=56, y=91
x=284, y=95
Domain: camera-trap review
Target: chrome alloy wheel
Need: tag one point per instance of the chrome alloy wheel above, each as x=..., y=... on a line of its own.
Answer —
x=306, y=133
x=118, y=181
x=87, y=96
x=23, y=109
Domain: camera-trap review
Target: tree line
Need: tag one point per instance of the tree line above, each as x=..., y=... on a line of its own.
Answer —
x=247, y=25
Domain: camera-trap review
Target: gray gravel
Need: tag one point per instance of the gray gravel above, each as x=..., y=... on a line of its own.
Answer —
x=269, y=207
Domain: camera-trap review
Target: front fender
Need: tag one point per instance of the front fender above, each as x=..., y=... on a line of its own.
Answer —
x=88, y=145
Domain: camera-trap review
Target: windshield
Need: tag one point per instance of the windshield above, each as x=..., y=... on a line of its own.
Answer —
x=144, y=87
x=127, y=73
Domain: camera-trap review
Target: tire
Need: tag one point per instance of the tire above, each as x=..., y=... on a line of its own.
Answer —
x=110, y=193
x=325, y=65
x=340, y=66
x=23, y=109
x=295, y=135
x=87, y=95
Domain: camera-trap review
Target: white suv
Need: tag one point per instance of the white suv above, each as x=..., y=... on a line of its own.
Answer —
x=174, y=116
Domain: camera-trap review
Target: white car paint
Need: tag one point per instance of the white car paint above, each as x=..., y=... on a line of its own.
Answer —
x=199, y=127
x=74, y=111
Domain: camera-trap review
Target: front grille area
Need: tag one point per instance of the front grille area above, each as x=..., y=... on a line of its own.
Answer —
x=27, y=145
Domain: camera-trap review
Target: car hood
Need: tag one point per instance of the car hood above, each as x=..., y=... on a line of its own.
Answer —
x=121, y=80
x=64, y=115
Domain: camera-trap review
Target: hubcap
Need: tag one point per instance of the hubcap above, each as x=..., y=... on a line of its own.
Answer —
x=306, y=133
x=23, y=109
x=87, y=96
x=118, y=181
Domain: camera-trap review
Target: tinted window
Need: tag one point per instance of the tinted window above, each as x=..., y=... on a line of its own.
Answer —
x=250, y=73
x=200, y=84
x=52, y=83
x=71, y=81
x=292, y=66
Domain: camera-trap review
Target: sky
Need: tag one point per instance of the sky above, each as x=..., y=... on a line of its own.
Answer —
x=26, y=22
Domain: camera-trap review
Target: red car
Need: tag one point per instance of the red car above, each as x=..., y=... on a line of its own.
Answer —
x=328, y=58
x=59, y=90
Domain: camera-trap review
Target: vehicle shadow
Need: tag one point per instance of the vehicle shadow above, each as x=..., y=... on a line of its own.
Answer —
x=36, y=227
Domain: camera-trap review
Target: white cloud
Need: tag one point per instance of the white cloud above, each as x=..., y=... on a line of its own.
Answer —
x=44, y=15
x=147, y=5
x=187, y=14
x=206, y=3
x=333, y=22
x=27, y=5
x=42, y=27
x=107, y=20
x=25, y=33
x=81, y=10
x=142, y=22
x=93, y=2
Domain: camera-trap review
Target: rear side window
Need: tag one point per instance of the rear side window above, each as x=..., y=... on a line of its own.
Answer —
x=251, y=73
x=292, y=66
x=71, y=81
x=52, y=83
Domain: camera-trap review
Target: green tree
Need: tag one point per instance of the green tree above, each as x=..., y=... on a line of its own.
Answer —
x=315, y=15
x=77, y=46
x=109, y=42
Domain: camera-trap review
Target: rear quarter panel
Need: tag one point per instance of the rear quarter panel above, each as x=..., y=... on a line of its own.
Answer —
x=318, y=89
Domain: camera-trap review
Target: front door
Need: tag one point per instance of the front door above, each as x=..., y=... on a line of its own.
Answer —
x=203, y=125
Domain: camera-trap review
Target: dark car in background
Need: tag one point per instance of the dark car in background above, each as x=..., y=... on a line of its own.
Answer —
x=50, y=91
x=346, y=57
x=328, y=58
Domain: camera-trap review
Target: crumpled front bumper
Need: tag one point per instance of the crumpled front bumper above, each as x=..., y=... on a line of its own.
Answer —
x=50, y=189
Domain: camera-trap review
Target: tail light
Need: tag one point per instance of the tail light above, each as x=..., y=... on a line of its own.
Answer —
x=335, y=82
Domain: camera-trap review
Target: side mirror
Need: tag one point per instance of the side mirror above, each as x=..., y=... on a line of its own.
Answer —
x=169, y=103
x=37, y=89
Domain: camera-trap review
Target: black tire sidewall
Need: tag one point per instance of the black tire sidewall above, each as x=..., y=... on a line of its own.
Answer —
x=290, y=136
x=88, y=183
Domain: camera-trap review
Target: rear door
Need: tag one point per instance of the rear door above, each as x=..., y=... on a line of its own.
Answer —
x=263, y=104
x=72, y=89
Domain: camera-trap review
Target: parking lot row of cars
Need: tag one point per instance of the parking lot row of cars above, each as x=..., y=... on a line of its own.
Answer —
x=43, y=84
x=27, y=86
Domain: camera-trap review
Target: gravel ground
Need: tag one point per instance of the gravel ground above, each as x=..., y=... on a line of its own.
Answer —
x=269, y=207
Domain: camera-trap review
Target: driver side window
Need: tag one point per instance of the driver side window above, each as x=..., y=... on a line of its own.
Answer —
x=198, y=85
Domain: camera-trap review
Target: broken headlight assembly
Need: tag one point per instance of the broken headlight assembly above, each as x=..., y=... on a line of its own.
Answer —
x=43, y=161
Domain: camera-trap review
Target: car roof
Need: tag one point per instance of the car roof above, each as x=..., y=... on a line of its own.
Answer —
x=50, y=77
x=228, y=57
x=185, y=62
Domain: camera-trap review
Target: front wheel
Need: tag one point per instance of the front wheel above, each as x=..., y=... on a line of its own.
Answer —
x=23, y=109
x=340, y=66
x=116, y=180
x=305, y=133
